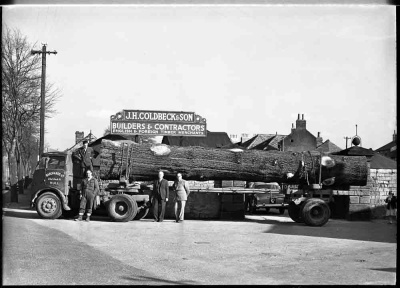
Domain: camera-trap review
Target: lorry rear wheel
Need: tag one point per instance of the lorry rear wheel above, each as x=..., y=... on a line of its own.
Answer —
x=142, y=212
x=48, y=206
x=295, y=212
x=121, y=208
x=316, y=212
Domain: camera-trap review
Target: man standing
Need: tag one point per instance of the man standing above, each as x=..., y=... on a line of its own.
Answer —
x=90, y=188
x=391, y=207
x=182, y=190
x=159, y=196
x=84, y=154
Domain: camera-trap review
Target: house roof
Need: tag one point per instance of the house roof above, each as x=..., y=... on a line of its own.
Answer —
x=379, y=161
x=270, y=143
x=355, y=151
x=328, y=146
x=387, y=146
x=256, y=140
x=213, y=139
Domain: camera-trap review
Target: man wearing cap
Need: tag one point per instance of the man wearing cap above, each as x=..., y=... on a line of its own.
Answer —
x=84, y=154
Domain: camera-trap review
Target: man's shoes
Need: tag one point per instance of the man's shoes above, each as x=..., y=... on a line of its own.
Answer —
x=79, y=218
x=155, y=220
x=87, y=219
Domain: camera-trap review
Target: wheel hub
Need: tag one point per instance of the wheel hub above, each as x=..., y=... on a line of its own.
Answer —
x=49, y=205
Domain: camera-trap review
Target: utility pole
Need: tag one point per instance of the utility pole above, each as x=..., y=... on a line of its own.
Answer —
x=42, y=93
x=347, y=138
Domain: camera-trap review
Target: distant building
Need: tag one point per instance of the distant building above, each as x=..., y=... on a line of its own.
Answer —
x=79, y=137
x=300, y=139
x=389, y=150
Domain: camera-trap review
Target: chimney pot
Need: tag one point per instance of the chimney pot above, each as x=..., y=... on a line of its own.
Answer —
x=298, y=116
x=319, y=133
x=302, y=116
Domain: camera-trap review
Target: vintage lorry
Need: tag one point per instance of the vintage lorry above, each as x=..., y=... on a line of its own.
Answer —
x=56, y=180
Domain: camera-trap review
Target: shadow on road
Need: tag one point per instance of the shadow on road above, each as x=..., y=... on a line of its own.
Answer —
x=378, y=231
x=161, y=281
x=392, y=270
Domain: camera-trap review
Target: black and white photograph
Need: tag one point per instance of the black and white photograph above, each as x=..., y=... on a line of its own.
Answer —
x=199, y=143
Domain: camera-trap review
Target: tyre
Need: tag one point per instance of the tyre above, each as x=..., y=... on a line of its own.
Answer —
x=48, y=206
x=121, y=208
x=281, y=211
x=316, y=212
x=142, y=212
x=295, y=212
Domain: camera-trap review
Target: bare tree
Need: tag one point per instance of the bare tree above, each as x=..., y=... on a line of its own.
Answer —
x=21, y=79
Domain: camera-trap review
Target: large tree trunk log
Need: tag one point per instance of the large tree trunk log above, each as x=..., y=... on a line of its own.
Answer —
x=199, y=163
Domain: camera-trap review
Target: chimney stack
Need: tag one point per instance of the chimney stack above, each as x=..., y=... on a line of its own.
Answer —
x=300, y=124
x=319, y=140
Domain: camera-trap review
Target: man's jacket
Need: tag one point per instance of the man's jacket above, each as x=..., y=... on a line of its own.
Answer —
x=85, y=157
x=160, y=188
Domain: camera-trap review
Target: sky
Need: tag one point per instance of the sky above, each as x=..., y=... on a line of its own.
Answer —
x=245, y=68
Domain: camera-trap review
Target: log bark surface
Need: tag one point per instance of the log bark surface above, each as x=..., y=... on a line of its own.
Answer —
x=199, y=163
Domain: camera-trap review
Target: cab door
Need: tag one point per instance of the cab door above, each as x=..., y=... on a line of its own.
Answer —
x=55, y=173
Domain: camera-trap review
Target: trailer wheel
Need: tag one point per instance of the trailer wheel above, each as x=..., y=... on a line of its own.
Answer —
x=142, y=212
x=121, y=208
x=295, y=212
x=48, y=206
x=316, y=212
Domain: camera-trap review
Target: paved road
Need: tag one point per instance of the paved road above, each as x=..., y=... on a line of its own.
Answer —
x=263, y=249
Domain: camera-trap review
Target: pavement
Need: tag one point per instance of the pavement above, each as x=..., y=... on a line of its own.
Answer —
x=267, y=249
x=23, y=200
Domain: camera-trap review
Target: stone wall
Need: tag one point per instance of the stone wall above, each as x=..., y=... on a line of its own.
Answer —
x=366, y=202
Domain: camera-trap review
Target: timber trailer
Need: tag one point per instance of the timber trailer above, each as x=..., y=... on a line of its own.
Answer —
x=57, y=181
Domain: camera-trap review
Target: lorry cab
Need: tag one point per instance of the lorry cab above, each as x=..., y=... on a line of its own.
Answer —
x=53, y=184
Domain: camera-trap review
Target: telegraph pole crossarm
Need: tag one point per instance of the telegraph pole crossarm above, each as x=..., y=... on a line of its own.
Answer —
x=42, y=93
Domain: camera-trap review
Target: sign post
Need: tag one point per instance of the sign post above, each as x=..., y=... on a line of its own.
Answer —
x=158, y=123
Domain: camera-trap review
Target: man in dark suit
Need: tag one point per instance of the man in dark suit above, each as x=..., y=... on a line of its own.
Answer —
x=159, y=196
x=84, y=154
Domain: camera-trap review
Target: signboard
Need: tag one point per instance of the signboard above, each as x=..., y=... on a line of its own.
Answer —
x=158, y=123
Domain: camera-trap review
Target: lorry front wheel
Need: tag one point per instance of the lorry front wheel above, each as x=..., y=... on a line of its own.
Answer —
x=122, y=208
x=48, y=206
x=316, y=212
x=295, y=212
